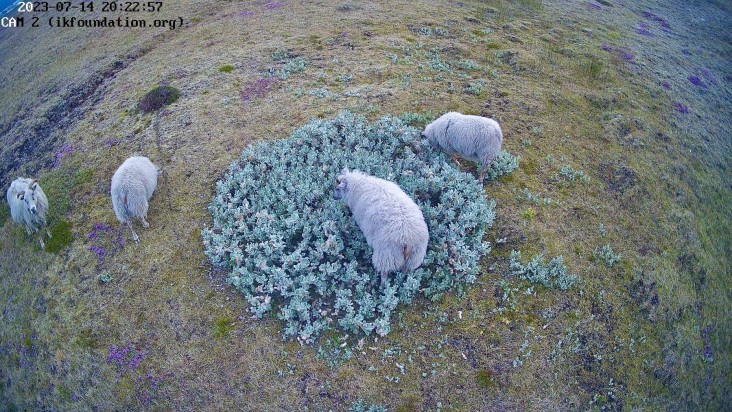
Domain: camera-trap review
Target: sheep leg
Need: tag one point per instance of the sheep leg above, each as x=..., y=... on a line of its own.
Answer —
x=454, y=158
x=484, y=171
x=134, y=235
x=482, y=174
x=383, y=277
x=43, y=245
x=144, y=222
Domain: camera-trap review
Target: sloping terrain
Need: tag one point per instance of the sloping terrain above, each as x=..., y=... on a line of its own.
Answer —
x=619, y=112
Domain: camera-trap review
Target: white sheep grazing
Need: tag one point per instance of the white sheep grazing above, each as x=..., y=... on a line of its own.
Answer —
x=28, y=205
x=391, y=222
x=133, y=185
x=475, y=138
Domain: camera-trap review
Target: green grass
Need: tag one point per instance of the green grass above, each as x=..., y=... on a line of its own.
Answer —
x=226, y=68
x=4, y=213
x=485, y=379
x=223, y=326
x=61, y=237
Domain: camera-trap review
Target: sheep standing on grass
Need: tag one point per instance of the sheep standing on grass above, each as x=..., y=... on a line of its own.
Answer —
x=391, y=222
x=133, y=185
x=28, y=205
x=475, y=138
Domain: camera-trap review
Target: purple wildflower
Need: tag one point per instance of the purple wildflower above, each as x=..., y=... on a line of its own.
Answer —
x=117, y=355
x=98, y=250
x=711, y=78
x=99, y=227
x=273, y=5
x=686, y=52
x=666, y=85
x=135, y=361
x=593, y=6
x=681, y=108
x=696, y=81
x=257, y=88
x=707, y=345
x=660, y=20
x=246, y=13
x=626, y=55
x=119, y=241
x=643, y=30
x=606, y=48
x=121, y=360
x=63, y=151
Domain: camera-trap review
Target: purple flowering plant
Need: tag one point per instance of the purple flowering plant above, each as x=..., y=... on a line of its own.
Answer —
x=696, y=81
x=681, y=108
x=105, y=241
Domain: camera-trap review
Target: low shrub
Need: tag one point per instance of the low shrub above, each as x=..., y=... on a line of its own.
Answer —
x=552, y=275
x=293, y=250
x=157, y=98
x=606, y=255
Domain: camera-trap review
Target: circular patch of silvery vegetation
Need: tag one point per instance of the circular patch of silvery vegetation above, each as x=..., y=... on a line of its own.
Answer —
x=294, y=251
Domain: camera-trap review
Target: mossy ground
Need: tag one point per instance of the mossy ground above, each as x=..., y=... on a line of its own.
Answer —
x=650, y=332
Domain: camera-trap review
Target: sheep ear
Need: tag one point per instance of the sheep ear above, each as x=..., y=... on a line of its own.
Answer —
x=21, y=195
x=33, y=184
x=345, y=170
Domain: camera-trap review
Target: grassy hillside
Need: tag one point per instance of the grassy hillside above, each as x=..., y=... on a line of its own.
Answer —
x=619, y=112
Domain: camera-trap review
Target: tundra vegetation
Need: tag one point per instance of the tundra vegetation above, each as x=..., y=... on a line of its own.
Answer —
x=612, y=125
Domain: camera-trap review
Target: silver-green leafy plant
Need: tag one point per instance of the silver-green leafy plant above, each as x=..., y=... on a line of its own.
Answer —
x=551, y=275
x=361, y=406
x=606, y=255
x=503, y=164
x=295, y=252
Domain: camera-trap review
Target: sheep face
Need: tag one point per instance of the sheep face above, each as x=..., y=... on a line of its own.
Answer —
x=341, y=186
x=429, y=135
x=28, y=197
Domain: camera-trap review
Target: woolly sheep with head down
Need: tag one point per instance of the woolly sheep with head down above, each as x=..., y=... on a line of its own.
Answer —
x=389, y=219
x=475, y=138
x=133, y=185
x=28, y=205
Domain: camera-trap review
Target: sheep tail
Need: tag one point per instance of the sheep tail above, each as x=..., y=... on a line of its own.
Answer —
x=123, y=197
x=407, y=253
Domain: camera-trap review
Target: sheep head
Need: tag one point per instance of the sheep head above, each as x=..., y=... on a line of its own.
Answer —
x=341, y=185
x=28, y=196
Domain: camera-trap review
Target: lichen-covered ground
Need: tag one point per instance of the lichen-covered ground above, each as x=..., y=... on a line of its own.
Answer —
x=620, y=113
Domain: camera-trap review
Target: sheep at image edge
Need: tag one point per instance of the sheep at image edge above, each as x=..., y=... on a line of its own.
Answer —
x=475, y=138
x=28, y=205
x=133, y=185
x=389, y=219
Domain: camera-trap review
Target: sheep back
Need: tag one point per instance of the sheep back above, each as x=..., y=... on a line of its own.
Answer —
x=33, y=195
x=475, y=138
x=133, y=185
x=390, y=220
